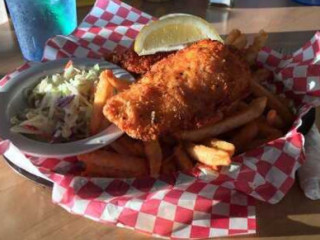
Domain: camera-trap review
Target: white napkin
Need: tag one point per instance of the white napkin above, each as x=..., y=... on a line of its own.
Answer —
x=3, y=12
x=309, y=172
x=223, y=2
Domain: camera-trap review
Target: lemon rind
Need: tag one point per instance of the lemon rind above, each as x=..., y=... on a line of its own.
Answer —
x=206, y=29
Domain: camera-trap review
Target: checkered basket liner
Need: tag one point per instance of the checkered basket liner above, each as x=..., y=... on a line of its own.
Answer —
x=185, y=204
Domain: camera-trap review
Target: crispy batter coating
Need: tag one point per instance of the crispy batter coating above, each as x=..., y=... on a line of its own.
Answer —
x=184, y=91
x=134, y=63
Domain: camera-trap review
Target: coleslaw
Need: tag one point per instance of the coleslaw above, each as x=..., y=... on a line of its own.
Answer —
x=60, y=106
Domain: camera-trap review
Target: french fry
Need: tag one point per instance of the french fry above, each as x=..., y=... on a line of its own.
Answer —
x=230, y=110
x=260, y=141
x=235, y=107
x=242, y=106
x=154, y=155
x=245, y=135
x=255, y=109
x=169, y=140
x=117, y=83
x=108, y=164
x=168, y=166
x=104, y=90
x=232, y=36
x=221, y=145
x=273, y=102
x=274, y=119
x=209, y=156
x=128, y=146
x=134, y=147
x=256, y=143
x=285, y=101
x=119, y=148
x=107, y=148
x=258, y=42
x=240, y=42
x=268, y=131
x=104, y=124
x=261, y=75
x=182, y=159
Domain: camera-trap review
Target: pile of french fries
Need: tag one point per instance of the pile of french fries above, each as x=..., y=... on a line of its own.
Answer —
x=260, y=118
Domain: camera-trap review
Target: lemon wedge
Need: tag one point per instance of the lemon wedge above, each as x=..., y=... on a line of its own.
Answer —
x=173, y=32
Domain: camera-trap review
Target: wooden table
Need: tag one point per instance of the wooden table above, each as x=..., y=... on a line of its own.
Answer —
x=26, y=208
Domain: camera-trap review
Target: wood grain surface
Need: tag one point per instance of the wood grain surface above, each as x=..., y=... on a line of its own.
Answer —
x=25, y=207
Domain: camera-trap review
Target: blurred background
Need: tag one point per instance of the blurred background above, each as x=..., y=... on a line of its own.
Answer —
x=289, y=23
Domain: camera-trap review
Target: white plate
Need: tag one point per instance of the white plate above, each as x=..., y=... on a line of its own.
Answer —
x=12, y=101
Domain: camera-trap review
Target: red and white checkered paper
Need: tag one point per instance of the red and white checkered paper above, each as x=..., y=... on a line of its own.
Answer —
x=185, y=204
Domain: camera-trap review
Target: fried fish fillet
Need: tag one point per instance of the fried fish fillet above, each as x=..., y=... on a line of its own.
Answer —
x=134, y=63
x=184, y=91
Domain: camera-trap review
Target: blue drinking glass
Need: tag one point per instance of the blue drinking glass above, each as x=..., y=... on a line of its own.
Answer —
x=35, y=21
x=308, y=2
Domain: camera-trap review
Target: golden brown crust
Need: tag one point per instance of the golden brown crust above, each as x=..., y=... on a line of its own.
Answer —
x=183, y=91
x=134, y=63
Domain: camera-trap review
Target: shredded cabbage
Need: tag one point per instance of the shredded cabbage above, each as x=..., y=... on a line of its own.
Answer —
x=60, y=106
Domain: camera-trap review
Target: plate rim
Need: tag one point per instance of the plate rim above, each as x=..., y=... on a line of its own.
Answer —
x=42, y=149
x=20, y=171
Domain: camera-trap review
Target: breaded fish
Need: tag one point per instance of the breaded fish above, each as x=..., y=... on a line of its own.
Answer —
x=132, y=62
x=184, y=91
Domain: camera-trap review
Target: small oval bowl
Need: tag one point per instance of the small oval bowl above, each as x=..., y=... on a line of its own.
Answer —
x=12, y=101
